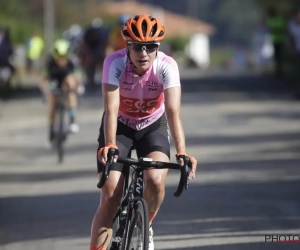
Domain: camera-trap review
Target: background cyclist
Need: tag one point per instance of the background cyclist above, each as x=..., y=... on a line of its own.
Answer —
x=141, y=90
x=115, y=38
x=60, y=73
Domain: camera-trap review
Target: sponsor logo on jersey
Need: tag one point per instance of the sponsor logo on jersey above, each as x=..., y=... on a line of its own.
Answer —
x=137, y=125
x=135, y=108
x=128, y=83
x=151, y=84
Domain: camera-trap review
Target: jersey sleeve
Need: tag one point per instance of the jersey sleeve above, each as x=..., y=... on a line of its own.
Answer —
x=112, y=70
x=169, y=73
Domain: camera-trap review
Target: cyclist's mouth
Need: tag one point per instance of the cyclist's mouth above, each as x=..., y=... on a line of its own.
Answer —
x=142, y=61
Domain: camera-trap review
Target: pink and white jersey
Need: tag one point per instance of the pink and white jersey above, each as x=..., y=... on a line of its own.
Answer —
x=141, y=97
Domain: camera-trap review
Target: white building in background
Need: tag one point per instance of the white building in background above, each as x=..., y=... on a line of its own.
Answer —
x=198, y=50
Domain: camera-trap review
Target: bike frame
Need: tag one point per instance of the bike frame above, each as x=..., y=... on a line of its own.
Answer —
x=131, y=193
x=60, y=134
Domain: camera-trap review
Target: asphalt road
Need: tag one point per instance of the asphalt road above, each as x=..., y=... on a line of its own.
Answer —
x=244, y=131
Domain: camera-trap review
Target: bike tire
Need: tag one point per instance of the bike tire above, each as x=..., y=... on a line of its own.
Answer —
x=60, y=151
x=61, y=133
x=140, y=213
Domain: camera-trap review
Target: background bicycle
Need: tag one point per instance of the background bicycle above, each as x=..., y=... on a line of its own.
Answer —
x=61, y=125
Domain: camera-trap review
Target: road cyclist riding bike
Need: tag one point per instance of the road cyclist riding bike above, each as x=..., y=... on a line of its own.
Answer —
x=141, y=92
x=61, y=74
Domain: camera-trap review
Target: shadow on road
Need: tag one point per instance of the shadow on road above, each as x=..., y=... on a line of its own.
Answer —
x=209, y=210
x=205, y=209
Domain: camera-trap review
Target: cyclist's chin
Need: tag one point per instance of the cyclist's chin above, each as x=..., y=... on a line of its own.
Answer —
x=143, y=66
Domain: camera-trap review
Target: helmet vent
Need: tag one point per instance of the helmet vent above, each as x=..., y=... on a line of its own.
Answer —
x=153, y=30
x=144, y=27
x=161, y=33
x=134, y=30
x=125, y=32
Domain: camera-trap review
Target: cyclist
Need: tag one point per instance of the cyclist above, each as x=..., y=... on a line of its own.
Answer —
x=92, y=51
x=115, y=39
x=141, y=90
x=60, y=73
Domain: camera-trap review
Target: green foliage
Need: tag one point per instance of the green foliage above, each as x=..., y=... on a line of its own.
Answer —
x=177, y=43
x=283, y=7
x=220, y=56
x=15, y=15
x=237, y=19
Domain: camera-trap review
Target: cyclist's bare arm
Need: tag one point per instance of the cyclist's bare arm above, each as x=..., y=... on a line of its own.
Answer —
x=111, y=100
x=172, y=104
x=44, y=83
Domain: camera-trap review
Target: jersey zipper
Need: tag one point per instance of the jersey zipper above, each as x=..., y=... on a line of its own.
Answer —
x=141, y=92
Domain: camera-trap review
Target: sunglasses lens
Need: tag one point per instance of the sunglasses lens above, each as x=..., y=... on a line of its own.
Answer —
x=151, y=47
x=148, y=47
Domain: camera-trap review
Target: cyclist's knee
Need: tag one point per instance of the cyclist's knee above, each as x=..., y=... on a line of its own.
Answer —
x=71, y=82
x=110, y=200
x=111, y=195
x=51, y=102
x=155, y=183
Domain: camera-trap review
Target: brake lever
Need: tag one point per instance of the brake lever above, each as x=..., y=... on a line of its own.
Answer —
x=183, y=183
x=106, y=171
x=186, y=170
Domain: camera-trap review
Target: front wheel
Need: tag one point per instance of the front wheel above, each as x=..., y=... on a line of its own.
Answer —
x=138, y=234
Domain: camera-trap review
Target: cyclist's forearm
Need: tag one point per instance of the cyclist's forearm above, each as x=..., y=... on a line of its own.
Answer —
x=44, y=83
x=177, y=131
x=110, y=126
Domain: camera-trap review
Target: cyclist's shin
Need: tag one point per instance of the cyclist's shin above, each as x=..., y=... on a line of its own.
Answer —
x=97, y=247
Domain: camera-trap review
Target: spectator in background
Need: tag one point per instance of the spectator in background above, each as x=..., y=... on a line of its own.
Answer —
x=262, y=46
x=93, y=50
x=294, y=35
x=74, y=36
x=277, y=28
x=34, y=48
x=6, y=50
x=115, y=40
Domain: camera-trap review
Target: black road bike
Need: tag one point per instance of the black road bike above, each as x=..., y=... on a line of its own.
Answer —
x=61, y=125
x=131, y=222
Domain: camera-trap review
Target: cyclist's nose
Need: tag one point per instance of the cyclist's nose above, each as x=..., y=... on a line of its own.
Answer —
x=144, y=52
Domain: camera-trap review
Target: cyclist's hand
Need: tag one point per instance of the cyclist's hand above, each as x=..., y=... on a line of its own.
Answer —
x=102, y=153
x=192, y=163
x=44, y=94
x=81, y=89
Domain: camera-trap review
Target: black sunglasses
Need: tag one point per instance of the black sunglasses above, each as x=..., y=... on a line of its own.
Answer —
x=149, y=47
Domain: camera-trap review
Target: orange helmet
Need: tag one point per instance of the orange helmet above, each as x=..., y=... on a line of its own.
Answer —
x=143, y=28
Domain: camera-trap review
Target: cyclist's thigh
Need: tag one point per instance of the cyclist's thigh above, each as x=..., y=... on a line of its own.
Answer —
x=124, y=143
x=155, y=146
x=51, y=98
x=70, y=82
x=155, y=140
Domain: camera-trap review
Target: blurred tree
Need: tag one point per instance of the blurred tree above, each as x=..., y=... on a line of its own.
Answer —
x=237, y=19
x=283, y=7
x=15, y=15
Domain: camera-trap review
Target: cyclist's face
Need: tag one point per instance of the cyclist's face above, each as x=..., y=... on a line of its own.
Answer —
x=142, y=55
x=61, y=61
